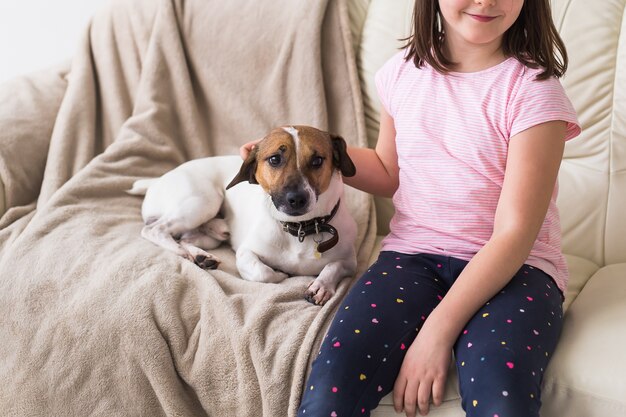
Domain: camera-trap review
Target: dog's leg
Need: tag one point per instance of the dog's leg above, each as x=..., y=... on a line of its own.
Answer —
x=206, y=237
x=251, y=268
x=200, y=257
x=158, y=233
x=162, y=232
x=183, y=225
x=324, y=286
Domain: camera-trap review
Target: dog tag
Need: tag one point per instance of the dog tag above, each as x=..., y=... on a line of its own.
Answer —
x=316, y=253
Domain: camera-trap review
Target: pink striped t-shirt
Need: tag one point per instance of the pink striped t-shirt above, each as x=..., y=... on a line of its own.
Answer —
x=452, y=136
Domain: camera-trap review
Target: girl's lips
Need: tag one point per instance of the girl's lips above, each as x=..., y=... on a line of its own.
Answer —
x=481, y=18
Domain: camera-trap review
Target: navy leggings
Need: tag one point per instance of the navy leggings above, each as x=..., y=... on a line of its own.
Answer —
x=500, y=355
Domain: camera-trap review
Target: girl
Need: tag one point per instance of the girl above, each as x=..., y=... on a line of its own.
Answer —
x=472, y=132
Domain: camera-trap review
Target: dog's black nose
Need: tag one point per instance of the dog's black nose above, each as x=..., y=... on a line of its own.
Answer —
x=296, y=199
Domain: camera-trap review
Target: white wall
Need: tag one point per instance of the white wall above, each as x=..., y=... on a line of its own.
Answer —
x=36, y=34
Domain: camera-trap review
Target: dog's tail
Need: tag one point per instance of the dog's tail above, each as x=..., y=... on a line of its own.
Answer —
x=141, y=186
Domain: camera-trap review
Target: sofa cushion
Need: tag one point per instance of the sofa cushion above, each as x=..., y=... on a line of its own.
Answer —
x=588, y=367
x=580, y=271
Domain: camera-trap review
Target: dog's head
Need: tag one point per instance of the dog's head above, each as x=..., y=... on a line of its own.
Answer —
x=296, y=165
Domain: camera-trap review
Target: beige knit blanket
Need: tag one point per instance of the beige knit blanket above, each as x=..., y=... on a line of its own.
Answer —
x=95, y=320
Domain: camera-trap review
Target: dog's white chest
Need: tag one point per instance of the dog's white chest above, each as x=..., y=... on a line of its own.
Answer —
x=307, y=249
x=296, y=257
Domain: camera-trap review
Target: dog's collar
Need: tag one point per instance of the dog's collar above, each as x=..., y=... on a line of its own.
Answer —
x=313, y=227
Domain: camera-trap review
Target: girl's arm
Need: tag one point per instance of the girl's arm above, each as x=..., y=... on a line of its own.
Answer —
x=531, y=172
x=376, y=169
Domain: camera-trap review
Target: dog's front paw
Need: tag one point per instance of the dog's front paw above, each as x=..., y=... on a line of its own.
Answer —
x=319, y=292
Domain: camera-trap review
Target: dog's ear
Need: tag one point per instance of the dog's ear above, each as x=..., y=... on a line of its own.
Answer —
x=247, y=170
x=340, y=156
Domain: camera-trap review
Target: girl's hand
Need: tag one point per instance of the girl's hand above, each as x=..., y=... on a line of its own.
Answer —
x=422, y=375
x=245, y=149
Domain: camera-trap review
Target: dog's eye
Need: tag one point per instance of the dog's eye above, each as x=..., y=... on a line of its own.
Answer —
x=317, y=161
x=274, y=160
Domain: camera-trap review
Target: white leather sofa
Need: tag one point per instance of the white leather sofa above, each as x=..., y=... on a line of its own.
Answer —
x=587, y=375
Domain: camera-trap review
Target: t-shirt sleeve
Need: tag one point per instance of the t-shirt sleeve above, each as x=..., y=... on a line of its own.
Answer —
x=539, y=102
x=385, y=80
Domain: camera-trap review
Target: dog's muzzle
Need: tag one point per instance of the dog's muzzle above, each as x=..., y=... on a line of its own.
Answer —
x=292, y=201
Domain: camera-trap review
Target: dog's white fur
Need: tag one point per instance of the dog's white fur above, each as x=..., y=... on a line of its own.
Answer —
x=192, y=209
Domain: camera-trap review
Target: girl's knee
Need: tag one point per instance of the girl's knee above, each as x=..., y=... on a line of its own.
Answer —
x=502, y=407
x=323, y=399
x=505, y=393
x=330, y=395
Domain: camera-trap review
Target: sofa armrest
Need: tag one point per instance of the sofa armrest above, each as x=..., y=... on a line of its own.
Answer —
x=28, y=108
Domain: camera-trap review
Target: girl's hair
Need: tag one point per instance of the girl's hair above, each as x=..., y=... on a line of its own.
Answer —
x=532, y=39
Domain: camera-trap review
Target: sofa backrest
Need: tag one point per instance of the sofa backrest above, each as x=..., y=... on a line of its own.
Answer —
x=592, y=196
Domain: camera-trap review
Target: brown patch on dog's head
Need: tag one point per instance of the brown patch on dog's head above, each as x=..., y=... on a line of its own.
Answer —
x=276, y=156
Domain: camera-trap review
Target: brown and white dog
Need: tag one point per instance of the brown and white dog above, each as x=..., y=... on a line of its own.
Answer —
x=286, y=217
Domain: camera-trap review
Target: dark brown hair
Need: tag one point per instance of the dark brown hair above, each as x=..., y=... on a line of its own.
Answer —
x=532, y=39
